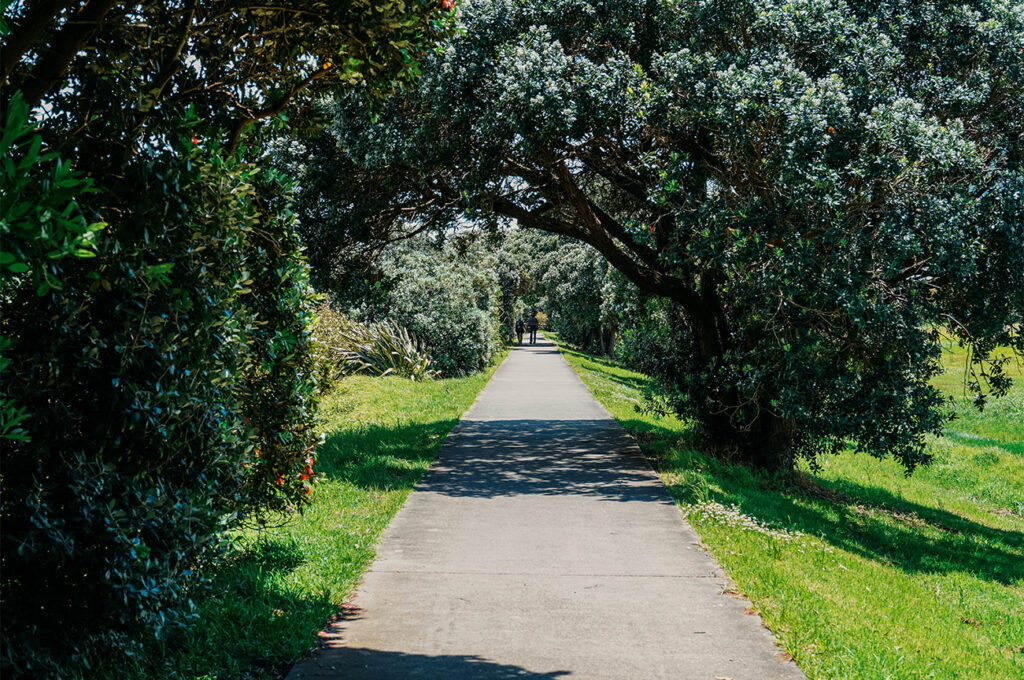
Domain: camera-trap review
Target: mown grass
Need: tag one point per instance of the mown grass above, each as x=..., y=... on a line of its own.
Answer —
x=861, y=572
x=261, y=612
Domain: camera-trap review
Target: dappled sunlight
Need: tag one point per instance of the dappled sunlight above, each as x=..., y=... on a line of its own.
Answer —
x=541, y=457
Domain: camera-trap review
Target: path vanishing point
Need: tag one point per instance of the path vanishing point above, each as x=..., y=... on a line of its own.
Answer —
x=542, y=545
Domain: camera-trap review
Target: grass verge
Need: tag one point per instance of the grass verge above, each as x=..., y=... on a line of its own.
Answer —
x=262, y=610
x=861, y=572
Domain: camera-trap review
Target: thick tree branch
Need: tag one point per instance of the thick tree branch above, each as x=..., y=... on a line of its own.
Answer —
x=243, y=125
x=63, y=46
x=535, y=220
x=26, y=33
x=647, y=278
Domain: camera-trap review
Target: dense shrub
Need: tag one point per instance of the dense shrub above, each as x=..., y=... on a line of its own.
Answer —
x=512, y=283
x=449, y=300
x=572, y=280
x=161, y=388
x=327, y=343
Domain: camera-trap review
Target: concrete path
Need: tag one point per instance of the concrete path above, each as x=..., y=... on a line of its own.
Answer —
x=541, y=545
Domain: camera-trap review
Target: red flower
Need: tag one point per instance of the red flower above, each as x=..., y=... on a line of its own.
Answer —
x=195, y=140
x=447, y=4
x=280, y=480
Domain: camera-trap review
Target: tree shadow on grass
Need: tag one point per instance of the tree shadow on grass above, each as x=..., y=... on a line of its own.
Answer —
x=247, y=622
x=603, y=368
x=382, y=457
x=272, y=555
x=864, y=520
x=982, y=442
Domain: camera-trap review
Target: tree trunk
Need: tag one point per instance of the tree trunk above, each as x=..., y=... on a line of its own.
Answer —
x=770, y=445
x=763, y=440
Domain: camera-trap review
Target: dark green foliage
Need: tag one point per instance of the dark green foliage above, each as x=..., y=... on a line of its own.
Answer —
x=520, y=254
x=156, y=382
x=235, y=64
x=275, y=389
x=140, y=424
x=813, y=186
x=512, y=284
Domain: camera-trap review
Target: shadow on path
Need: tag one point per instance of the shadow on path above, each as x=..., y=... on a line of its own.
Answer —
x=486, y=459
x=355, y=663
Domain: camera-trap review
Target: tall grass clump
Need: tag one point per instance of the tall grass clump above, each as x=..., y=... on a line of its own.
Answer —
x=347, y=347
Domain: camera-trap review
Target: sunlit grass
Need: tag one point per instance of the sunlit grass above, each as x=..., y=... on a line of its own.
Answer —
x=861, y=572
x=262, y=611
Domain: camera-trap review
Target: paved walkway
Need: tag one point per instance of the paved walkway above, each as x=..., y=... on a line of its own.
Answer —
x=541, y=545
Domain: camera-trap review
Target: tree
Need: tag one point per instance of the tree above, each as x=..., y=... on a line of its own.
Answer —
x=573, y=278
x=448, y=296
x=154, y=305
x=815, y=187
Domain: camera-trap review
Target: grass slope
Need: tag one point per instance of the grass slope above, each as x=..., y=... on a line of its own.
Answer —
x=262, y=611
x=861, y=572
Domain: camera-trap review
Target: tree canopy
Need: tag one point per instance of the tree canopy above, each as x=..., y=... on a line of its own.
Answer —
x=813, y=187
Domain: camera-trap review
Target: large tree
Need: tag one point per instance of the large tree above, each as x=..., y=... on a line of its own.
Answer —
x=817, y=188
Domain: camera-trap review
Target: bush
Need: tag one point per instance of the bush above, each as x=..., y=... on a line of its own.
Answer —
x=328, y=341
x=159, y=383
x=383, y=348
x=156, y=378
x=344, y=346
x=449, y=300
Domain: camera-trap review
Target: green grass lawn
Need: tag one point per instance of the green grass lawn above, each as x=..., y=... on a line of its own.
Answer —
x=861, y=572
x=262, y=611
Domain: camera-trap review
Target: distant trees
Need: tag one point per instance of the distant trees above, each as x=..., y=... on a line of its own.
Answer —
x=154, y=304
x=811, y=187
x=449, y=297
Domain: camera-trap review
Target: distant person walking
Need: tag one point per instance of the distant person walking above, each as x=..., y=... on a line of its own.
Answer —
x=532, y=325
x=520, y=329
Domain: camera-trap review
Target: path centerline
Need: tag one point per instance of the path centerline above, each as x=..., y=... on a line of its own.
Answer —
x=542, y=545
